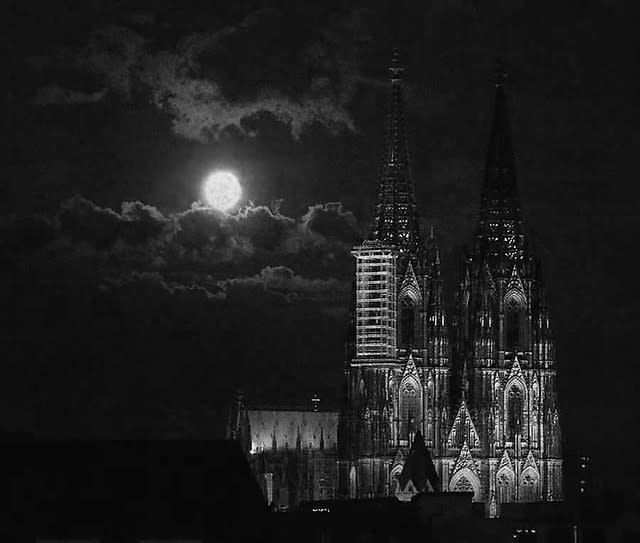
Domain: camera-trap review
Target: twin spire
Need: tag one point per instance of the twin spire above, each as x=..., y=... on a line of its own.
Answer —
x=396, y=221
x=499, y=235
x=499, y=188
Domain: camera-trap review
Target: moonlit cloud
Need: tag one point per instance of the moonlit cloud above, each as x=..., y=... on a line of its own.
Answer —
x=179, y=82
x=283, y=281
x=200, y=251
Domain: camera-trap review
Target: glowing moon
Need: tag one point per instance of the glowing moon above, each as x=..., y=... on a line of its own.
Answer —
x=222, y=190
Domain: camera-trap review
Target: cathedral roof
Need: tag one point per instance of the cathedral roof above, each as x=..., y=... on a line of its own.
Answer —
x=395, y=222
x=283, y=428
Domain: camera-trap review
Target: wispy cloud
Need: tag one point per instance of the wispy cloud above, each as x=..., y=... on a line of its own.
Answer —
x=190, y=81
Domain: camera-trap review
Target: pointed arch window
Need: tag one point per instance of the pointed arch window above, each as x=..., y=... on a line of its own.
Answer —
x=514, y=412
x=466, y=481
x=463, y=485
x=505, y=487
x=408, y=322
x=513, y=316
x=410, y=408
x=530, y=482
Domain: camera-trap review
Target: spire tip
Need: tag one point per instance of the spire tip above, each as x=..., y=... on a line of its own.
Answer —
x=396, y=70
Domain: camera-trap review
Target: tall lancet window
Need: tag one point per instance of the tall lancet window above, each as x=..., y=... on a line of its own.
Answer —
x=408, y=322
x=410, y=408
x=513, y=326
x=514, y=409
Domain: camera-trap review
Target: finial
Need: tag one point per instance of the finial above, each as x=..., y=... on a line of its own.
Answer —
x=396, y=70
x=315, y=401
x=501, y=72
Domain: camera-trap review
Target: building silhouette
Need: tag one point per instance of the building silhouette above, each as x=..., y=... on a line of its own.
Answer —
x=474, y=392
x=129, y=491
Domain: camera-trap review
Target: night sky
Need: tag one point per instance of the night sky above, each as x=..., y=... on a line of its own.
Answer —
x=130, y=310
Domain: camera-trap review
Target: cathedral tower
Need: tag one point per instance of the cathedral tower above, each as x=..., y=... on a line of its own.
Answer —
x=397, y=373
x=504, y=349
x=496, y=433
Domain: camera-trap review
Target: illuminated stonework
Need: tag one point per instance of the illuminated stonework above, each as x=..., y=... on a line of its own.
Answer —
x=480, y=414
x=488, y=413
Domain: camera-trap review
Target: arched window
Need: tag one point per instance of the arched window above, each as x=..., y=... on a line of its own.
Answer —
x=466, y=481
x=514, y=410
x=408, y=322
x=410, y=408
x=463, y=485
x=505, y=487
x=530, y=486
x=513, y=325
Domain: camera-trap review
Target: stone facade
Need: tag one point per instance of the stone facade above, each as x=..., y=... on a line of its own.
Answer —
x=481, y=389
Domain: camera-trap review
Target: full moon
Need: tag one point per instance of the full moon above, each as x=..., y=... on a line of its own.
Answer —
x=222, y=190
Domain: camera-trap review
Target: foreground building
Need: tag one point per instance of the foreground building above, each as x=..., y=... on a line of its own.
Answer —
x=480, y=401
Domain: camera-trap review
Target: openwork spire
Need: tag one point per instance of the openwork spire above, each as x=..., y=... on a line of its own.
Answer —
x=500, y=227
x=500, y=189
x=395, y=222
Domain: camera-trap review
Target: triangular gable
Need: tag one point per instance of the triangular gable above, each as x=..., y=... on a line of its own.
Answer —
x=505, y=462
x=515, y=286
x=465, y=460
x=463, y=429
x=516, y=374
x=530, y=462
x=410, y=369
x=410, y=284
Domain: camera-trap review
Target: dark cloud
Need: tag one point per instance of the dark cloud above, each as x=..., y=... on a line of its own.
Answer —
x=200, y=250
x=135, y=346
x=190, y=83
x=83, y=220
x=155, y=280
x=332, y=221
x=57, y=95
x=209, y=241
x=283, y=281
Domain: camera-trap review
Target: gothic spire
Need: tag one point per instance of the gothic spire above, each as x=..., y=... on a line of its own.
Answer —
x=500, y=226
x=500, y=179
x=395, y=222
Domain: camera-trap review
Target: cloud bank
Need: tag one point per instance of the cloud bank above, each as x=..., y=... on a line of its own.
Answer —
x=198, y=83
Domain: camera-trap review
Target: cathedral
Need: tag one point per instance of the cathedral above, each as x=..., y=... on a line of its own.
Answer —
x=464, y=402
